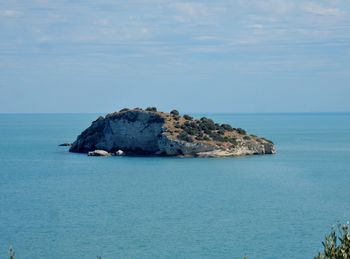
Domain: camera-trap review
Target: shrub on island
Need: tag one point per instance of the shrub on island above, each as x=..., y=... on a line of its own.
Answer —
x=151, y=109
x=241, y=131
x=175, y=113
x=226, y=127
x=188, y=117
x=185, y=137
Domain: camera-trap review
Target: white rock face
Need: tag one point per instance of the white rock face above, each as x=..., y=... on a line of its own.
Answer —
x=119, y=153
x=177, y=147
x=138, y=132
x=99, y=153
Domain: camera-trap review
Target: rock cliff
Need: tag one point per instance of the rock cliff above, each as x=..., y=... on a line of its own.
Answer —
x=149, y=132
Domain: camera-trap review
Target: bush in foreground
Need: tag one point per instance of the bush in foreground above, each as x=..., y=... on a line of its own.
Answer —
x=333, y=249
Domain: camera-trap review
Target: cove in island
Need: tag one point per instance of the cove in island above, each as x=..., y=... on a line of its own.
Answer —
x=153, y=133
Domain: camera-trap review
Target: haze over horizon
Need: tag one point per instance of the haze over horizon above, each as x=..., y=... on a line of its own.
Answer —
x=196, y=56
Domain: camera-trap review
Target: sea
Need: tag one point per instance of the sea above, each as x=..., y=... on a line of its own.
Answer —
x=55, y=204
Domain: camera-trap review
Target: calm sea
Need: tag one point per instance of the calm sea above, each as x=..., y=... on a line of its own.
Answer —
x=54, y=204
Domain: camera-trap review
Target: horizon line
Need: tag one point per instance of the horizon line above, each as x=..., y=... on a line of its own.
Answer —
x=187, y=112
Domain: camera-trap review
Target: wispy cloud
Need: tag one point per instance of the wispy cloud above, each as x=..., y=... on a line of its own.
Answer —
x=201, y=13
x=269, y=6
x=9, y=13
x=177, y=29
x=193, y=10
x=315, y=8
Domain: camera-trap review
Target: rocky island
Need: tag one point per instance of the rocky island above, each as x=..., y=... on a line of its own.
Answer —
x=150, y=132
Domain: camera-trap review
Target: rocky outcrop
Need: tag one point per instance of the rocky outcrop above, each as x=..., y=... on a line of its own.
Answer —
x=65, y=145
x=99, y=153
x=119, y=153
x=148, y=132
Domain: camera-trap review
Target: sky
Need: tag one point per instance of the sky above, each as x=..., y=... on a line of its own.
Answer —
x=66, y=56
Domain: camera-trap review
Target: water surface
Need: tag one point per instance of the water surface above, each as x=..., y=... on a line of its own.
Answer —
x=55, y=204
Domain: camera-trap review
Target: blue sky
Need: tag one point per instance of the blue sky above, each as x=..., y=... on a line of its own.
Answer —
x=197, y=56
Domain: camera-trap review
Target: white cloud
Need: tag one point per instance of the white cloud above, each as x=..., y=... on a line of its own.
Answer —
x=257, y=26
x=192, y=9
x=196, y=12
x=321, y=10
x=273, y=6
x=207, y=38
x=9, y=13
x=103, y=22
x=279, y=6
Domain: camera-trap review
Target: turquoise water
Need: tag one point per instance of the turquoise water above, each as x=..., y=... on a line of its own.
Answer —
x=54, y=204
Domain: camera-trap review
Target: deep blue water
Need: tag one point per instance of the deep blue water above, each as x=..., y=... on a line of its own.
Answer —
x=54, y=204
